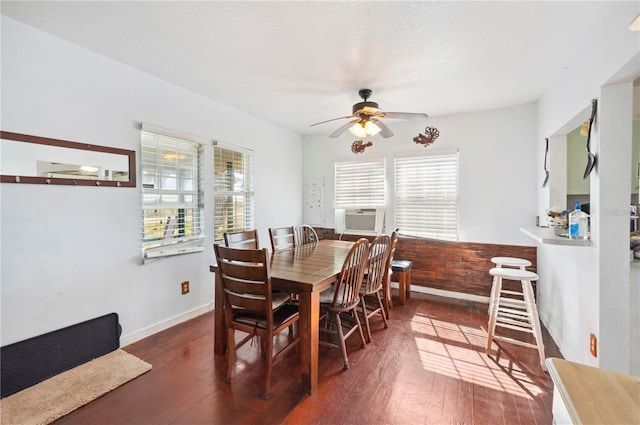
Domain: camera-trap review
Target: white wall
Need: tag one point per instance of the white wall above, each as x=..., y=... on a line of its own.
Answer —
x=585, y=290
x=73, y=253
x=497, y=176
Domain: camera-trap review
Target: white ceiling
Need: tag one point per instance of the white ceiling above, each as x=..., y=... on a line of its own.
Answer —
x=298, y=63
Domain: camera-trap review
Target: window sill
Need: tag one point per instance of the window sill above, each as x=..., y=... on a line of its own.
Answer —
x=176, y=248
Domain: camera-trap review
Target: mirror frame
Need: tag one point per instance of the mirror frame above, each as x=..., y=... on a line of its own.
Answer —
x=71, y=145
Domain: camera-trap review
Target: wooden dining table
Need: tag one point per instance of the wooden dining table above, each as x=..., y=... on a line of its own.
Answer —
x=305, y=270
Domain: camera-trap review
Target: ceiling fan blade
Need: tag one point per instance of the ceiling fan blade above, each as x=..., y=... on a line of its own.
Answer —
x=405, y=115
x=384, y=130
x=333, y=119
x=343, y=128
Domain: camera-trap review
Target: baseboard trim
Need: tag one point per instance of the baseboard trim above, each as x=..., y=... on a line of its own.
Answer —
x=446, y=294
x=555, y=335
x=165, y=324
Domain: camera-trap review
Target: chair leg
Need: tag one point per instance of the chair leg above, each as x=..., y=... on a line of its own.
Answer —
x=355, y=313
x=231, y=357
x=366, y=318
x=386, y=295
x=492, y=296
x=382, y=312
x=535, y=320
x=493, y=312
x=268, y=359
x=343, y=345
x=407, y=283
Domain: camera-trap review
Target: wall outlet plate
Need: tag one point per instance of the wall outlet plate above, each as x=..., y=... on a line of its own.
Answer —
x=185, y=287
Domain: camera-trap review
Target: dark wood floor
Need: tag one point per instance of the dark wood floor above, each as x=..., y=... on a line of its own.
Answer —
x=428, y=367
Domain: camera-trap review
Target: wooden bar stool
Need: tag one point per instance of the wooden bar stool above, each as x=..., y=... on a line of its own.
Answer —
x=515, y=310
x=500, y=262
x=403, y=269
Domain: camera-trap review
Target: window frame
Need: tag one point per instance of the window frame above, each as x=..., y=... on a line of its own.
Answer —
x=246, y=193
x=164, y=179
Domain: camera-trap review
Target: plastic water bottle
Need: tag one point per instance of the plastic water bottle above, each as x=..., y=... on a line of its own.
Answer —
x=578, y=223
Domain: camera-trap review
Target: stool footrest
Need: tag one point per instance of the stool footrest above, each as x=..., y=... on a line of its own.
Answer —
x=515, y=341
x=512, y=310
x=516, y=320
x=514, y=326
x=504, y=291
x=518, y=304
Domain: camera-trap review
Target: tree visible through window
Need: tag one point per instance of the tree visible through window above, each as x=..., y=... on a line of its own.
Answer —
x=233, y=191
x=171, y=194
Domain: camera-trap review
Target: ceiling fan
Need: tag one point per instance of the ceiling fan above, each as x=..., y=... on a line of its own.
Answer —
x=365, y=120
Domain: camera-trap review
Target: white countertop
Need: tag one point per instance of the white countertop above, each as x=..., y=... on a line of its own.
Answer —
x=545, y=235
x=593, y=395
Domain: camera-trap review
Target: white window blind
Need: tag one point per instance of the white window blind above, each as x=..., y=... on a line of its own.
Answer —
x=359, y=184
x=171, y=195
x=426, y=191
x=233, y=190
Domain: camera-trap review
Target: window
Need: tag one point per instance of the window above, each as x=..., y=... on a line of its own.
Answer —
x=233, y=190
x=427, y=195
x=359, y=184
x=171, y=194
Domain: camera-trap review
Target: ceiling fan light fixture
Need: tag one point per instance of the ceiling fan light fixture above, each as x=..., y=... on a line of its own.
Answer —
x=364, y=129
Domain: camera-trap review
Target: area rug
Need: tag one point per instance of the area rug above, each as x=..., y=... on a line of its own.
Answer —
x=51, y=399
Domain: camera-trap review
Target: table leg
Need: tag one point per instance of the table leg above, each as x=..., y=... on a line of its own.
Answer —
x=220, y=337
x=309, y=303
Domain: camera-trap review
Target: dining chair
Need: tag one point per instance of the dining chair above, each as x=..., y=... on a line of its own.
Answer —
x=282, y=238
x=374, y=281
x=305, y=234
x=247, y=239
x=251, y=307
x=338, y=305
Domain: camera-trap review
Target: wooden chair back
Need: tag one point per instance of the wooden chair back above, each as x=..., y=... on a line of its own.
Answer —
x=246, y=281
x=377, y=264
x=282, y=238
x=251, y=307
x=347, y=290
x=305, y=234
x=243, y=240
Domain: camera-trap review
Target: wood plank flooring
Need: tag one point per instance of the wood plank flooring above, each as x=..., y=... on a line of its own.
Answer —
x=428, y=367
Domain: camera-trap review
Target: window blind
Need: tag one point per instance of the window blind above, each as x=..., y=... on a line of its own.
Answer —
x=359, y=184
x=426, y=191
x=233, y=190
x=171, y=195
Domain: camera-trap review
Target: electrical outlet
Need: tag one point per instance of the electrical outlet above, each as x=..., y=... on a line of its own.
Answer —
x=185, y=287
x=593, y=345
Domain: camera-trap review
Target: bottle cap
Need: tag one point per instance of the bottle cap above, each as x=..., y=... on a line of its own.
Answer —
x=578, y=205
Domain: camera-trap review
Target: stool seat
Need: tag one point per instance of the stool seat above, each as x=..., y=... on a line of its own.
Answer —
x=513, y=274
x=400, y=265
x=511, y=262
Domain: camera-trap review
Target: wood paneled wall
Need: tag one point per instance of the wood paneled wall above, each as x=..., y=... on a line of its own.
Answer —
x=450, y=266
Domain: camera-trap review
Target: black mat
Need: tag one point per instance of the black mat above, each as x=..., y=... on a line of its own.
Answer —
x=33, y=360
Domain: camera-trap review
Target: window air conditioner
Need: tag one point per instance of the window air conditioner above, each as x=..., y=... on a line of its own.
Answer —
x=360, y=221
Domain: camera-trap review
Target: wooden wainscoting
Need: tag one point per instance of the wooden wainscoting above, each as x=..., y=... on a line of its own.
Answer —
x=451, y=266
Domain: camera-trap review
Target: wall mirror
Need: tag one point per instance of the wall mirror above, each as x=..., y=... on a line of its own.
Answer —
x=41, y=160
